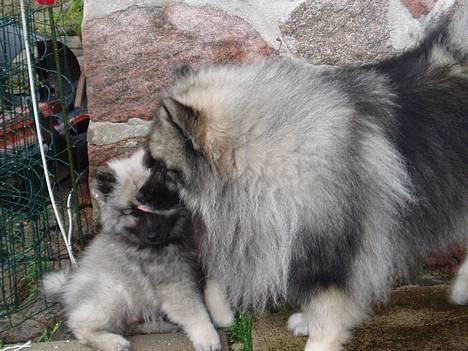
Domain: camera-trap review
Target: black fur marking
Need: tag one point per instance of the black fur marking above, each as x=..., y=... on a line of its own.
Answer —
x=432, y=120
x=322, y=263
x=157, y=230
x=148, y=160
x=160, y=191
x=425, y=116
x=180, y=117
x=105, y=180
x=156, y=194
x=184, y=70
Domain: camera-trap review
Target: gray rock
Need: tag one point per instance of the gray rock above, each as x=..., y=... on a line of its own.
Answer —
x=103, y=133
x=339, y=32
x=73, y=42
x=265, y=17
x=130, y=55
x=356, y=32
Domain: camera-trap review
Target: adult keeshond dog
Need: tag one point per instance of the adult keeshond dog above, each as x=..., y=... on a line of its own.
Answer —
x=321, y=186
x=141, y=266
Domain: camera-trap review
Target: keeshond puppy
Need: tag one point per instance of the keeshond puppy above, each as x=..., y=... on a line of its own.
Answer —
x=321, y=187
x=141, y=266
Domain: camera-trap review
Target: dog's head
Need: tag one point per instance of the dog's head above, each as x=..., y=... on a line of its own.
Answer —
x=159, y=221
x=191, y=138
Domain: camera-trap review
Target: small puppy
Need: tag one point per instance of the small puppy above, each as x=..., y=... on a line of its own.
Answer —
x=141, y=266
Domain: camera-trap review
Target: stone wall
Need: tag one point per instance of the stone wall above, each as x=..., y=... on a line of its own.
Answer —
x=132, y=47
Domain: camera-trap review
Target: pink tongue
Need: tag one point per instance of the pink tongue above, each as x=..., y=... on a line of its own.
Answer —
x=144, y=208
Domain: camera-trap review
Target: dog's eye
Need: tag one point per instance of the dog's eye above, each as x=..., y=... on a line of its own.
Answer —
x=173, y=176
x=148, y=160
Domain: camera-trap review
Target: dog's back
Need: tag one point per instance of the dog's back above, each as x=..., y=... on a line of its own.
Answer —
x=426, y=120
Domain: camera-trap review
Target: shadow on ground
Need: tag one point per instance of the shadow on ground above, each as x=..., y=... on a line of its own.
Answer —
x=418, y=318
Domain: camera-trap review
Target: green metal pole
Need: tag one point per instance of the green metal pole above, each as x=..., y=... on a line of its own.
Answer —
x=66, y=123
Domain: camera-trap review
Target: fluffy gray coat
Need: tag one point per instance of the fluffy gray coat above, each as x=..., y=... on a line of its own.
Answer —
x=321, y=187
x=141, y=266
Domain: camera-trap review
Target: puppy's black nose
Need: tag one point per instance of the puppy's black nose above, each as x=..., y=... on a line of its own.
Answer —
x=140, y=196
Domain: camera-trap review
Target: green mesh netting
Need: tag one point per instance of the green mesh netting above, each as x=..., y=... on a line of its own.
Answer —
x=30, y=242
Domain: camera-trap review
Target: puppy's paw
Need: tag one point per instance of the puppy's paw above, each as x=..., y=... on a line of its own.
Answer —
x=205, y=339
x=110, y=342
x=297, y=325
x=121, y=346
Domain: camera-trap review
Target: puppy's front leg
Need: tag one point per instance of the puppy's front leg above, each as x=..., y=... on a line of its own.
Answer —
x=185, y=307
x=97, y=323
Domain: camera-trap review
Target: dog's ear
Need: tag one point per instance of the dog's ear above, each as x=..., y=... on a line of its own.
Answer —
x=207, y=134
x=183, y=117
x=105, y=181
x=183, y=70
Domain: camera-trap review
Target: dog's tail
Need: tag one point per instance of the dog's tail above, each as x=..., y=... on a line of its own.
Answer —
x=53, y=284
x=443, y=51
x=458, y=30
x=446, y=43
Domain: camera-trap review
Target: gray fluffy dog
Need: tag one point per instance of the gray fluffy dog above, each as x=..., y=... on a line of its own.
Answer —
x=321, y=187
x=141, y=266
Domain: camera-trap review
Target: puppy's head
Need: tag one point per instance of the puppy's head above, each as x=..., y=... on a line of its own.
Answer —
x=160, y=221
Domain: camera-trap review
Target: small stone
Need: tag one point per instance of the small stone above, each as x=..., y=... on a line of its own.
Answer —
x=238, y=346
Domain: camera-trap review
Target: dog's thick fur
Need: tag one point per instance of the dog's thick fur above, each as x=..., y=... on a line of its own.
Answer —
x=141, y=266
x=321, y=186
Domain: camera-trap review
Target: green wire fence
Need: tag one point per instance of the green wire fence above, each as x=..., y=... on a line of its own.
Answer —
x=30, y=241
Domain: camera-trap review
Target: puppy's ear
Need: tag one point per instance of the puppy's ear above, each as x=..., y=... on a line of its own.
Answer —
x=105, y=181
x=183, y=70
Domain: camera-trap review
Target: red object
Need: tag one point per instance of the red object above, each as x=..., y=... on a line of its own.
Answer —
x=46, y=2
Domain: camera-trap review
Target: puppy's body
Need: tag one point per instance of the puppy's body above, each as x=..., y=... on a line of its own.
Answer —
x=141, y=266
x=318, y=186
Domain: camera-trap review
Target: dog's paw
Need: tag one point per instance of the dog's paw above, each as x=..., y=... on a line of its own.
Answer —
x=218, y=305
x=322, y=346
x=297, y=325
x=206, y=339
x=225, y=319
x=459, y=293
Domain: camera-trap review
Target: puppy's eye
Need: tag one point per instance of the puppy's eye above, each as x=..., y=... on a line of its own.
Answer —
x=128, y=211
